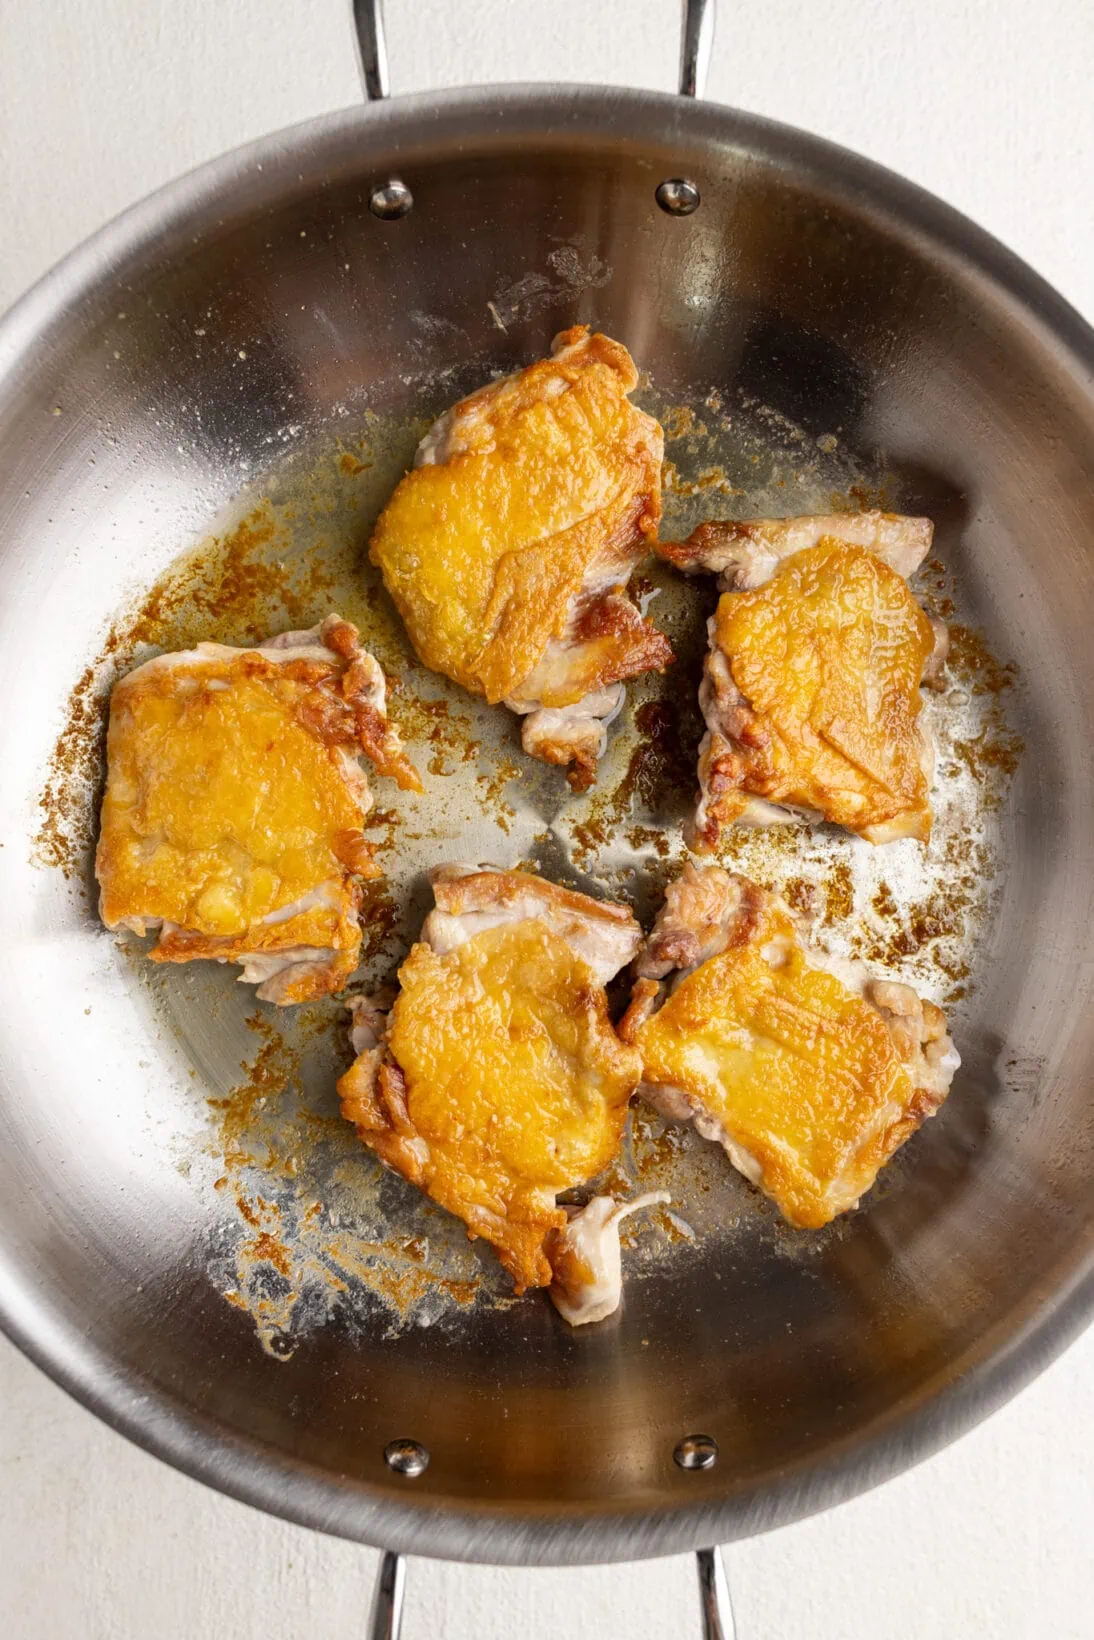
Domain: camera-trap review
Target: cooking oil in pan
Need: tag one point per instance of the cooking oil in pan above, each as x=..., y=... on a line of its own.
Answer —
x=306, y=1223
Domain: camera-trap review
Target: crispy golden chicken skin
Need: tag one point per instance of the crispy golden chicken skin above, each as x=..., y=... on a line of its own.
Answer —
x=234, y=804
x=508, y=547
x=811, y=687
x=495, y=1079
x=808, y=1072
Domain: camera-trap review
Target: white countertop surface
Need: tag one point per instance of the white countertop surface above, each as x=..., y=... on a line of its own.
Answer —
x=989, y=106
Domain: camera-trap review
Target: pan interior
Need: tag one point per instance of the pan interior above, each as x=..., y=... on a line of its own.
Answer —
x=180, y=1207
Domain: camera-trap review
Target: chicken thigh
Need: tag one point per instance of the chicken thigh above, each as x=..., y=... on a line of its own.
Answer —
x=811, y=685
x=231, y=821
x=806, y=1070
x=494, y=1080
x=508, y=547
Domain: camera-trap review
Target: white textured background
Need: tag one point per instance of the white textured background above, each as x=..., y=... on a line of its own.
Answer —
x=989, y=105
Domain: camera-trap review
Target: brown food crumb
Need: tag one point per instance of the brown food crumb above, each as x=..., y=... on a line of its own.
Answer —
x=710, y=479
x=801, y=896
x=492, y=784
x=350, y=465
x=971, y=661
x=266, y=1249
x=883, y=902
x=839, y=893
x=67, y=828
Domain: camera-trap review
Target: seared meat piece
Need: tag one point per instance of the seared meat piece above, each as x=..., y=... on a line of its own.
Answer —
x=495, y=1079
x=586, y=1260
x=810, y=688
x=234, y=801
x=509, y=546
x=746, y=552
x=806, y=1070
x=470, y=900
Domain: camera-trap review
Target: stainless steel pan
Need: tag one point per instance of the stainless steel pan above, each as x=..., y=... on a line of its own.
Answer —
x=329, y=285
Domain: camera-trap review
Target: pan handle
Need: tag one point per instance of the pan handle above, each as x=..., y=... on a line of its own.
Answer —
x=695, y=46
x=386, y=1616
x=368, y=21
x=714, y=1601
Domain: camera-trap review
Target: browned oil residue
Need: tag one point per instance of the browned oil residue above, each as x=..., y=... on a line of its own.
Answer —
x=992, y=756
x=989, y=752
x=350, y=465
x=67, y=829
x=492, y=784
x=839, y=893
x=710, y=479
x=314, y=1022
x=379, y=918
x=927, y=925
x=432, y=721
x=936, y=586
x=660, y=773
x=653, y=1142
x=861, y=498
x=395, y=1271
x=266, y=1249
x=386, y=821
x=972, y=662
x=246, y=1211
x=926, y=920
x=883, y=902
x=802, y=896
x=272, y=1067
x=222, y=585
x=680, y=421
x=292, y=1251
x=664, y=760
x=640, y=837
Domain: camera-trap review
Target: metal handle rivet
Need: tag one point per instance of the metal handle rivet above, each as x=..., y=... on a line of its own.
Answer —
x=406, y=1457
x=697, y=1452
x=391, y=200
x=678, y=196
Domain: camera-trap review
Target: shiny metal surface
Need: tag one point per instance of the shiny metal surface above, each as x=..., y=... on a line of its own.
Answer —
x=696, y=45
x=391, y=201
x=677, y=196
x=257, y=311
x=714, y=1601
x=368, y=21
x=386, y=1617
x=408, y=1458
x=696, y=1452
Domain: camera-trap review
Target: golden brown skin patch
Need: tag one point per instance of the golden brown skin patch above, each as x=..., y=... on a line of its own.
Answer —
x=501, y=1083
x=811, y=1085
x=228, y=802
x=827, y=658
x=539, y=478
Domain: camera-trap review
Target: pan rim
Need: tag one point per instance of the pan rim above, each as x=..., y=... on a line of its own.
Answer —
x=1004, y=1359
